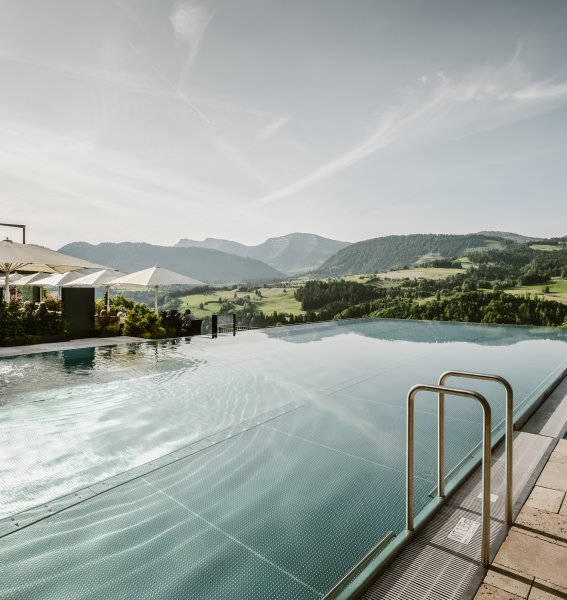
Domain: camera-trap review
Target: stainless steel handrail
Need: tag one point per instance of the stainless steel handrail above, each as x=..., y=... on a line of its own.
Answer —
x=509, y=433
x=486, y=453
x=349, y=577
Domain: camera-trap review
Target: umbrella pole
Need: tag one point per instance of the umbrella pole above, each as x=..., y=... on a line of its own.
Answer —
x=108, y=300
x=157, y=288
x=7, y=286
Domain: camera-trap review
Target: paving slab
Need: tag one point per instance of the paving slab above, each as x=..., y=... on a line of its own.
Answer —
x=546, y=499
x=559, y=458
x=542, y=522
x=561, y=447
x=486, y=592
x=542, y=590
x=554, y=475
x=534, y=557
x=509, y=580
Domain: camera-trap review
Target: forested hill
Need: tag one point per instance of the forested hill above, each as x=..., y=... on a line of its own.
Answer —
x=210, y=266
x=381, y=254
x=507, y=235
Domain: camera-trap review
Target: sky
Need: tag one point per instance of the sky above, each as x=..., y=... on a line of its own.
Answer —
x=156, y=120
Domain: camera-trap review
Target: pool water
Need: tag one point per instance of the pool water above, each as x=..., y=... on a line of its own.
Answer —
x=281, y=453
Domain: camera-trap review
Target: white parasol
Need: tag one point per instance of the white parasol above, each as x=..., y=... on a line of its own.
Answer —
x=155, y=277
x=98, y=279
x=24, y=257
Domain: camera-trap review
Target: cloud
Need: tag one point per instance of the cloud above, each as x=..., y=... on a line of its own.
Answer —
x=189, y=21
x=438, y=109
x=237, y=158
x=272, y=128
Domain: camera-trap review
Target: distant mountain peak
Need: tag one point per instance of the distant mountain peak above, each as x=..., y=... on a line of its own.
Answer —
x=292, y=253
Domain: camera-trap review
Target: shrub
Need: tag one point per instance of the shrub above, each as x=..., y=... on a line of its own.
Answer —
x=142, y=322
x=20, y=321
x=172, y=322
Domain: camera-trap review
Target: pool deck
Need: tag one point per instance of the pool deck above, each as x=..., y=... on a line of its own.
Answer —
x=70, y=345
x=530, y=563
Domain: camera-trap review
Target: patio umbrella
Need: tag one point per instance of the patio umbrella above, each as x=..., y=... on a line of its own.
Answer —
x=30, y=279
x=24, y=257
x=57, y=279
x=11, y=279
x=98, y=279
x=155, y=277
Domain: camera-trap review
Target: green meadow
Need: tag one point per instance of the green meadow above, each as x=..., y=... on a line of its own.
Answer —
x=277, y=299
x=557, y=290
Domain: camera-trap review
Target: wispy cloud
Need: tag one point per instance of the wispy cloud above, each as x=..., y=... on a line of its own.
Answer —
x=237, y=158
x=272, y=128
x=438, y=109
x=127, y=80
x=190, y=20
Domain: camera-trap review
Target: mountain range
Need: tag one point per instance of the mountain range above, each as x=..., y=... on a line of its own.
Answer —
x=221, y=261
x=205, y=264
x=293, y=253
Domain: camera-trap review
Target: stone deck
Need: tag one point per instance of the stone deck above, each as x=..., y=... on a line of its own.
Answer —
x=532, y=561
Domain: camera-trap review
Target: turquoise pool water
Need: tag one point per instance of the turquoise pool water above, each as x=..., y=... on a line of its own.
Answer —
x=276, y=458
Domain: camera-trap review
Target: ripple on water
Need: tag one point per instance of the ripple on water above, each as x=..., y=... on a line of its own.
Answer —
x=67, y=426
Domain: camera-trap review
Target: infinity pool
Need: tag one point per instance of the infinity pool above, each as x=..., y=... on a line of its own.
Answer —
x=261, y=467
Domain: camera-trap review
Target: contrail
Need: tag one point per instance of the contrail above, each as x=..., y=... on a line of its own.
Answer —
x=171, y=85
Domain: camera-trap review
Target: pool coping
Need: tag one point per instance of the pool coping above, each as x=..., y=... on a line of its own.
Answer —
x=8, y=351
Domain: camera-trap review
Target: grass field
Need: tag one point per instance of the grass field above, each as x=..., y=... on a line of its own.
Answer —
x=273, y=299
x=392, y=278
x=546, y=247
x=557, y=290
x=420, y=273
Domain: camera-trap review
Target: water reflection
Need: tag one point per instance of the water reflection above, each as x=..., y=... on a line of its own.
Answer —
x=436, y=332
x=79, y=360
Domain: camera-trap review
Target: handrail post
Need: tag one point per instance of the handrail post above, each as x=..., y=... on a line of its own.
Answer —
x=509, y=439
x=441, y=445
x=486, y=454
x=409, y=461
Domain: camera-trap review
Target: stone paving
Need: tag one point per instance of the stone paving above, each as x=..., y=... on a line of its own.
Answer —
x=532, y=561
x=70, y=345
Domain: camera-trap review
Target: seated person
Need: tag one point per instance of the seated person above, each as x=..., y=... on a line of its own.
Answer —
x=121, y=314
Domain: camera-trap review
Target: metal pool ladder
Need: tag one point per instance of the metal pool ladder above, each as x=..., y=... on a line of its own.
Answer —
x=355, y=582
x=443, y=391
